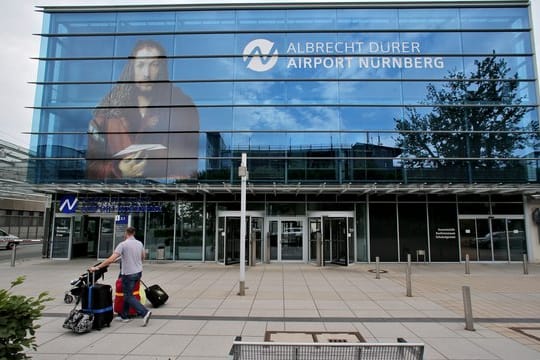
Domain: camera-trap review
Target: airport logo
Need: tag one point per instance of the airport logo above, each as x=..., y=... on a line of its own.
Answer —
x=260, y=55
x=68, y=204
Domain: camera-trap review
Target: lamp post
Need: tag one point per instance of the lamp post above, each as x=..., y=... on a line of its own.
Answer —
x=243, y=173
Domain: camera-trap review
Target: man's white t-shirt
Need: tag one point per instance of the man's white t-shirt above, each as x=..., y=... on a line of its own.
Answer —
x=131, y=251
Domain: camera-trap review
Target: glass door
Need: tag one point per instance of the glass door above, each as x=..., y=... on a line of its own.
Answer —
x=336, y=231
x=106, y=237
x=286, y=237
x=228, y=235
x=256, y=242
x=469, y=246
x=338, y=236
x=517, y=242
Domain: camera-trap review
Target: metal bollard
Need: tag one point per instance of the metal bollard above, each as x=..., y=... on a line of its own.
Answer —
x=467, y=268
x=467, y=304
x=377, y=268
x=13, y=254
x=408, y=276
x=525, y=265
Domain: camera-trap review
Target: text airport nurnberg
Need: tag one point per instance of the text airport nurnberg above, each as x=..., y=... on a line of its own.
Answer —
x=360, y=54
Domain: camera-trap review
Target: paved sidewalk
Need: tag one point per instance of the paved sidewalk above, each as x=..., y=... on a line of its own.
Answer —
x=204, y=312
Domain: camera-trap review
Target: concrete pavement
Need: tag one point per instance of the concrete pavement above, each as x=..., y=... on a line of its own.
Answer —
x=204, y=312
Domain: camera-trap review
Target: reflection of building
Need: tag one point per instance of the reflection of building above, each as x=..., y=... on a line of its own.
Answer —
x=21, y=210
x=307, y=119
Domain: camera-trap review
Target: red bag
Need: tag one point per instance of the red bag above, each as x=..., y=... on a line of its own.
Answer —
x=119, y=297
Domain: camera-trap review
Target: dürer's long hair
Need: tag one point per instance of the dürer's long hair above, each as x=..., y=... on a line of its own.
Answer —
x=123, y=94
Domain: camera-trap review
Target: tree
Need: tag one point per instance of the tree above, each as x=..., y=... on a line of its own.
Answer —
x=17, y=316
x=475, y=117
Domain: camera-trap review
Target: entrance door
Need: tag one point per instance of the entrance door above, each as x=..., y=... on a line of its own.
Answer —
x=106, y=237
x=286, y=237
x=337, y=233
x=229, y=238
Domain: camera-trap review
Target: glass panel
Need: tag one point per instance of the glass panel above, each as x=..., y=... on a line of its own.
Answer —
x=292, y=235
x=496, y=42
x=383, y=231
x=91, y=235
x=205, y=20
x=210, y=233
x=138, y=221
x=361, y=233
x=189, y=231
x=473, y=208
x=520, y=65
x=273, y=235
x=256, y=233
x=232, y=240
x=499, y=235
x=84, y=23
x=61, y=238
x=81, y=47
x=145, y=21
x=221, y=240
x=311, y=19
x=106, y=238
x=261, y=20
x=160, y=233
x=413, y=234
x=339, y=239
x=367, y=19
x=494, y=18
x=484, y=240
x=203, y=69
x=428, y=19
x=351, y=238
x=443, y=232
x=87, y=70
x=517, y=239
x=467, y=230
x=315, y=237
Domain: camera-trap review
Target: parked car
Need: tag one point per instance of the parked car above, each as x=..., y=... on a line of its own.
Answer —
x=7, y=240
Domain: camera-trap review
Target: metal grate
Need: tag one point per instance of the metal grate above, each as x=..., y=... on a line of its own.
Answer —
x=325, y=351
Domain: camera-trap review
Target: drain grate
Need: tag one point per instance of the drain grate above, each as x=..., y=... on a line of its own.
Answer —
x=314, y=336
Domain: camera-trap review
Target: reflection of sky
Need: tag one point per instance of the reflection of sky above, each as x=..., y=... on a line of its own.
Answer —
x=251, y=116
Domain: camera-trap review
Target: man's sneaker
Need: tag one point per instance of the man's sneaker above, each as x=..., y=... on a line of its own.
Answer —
x=119, y=318
x=146, y=318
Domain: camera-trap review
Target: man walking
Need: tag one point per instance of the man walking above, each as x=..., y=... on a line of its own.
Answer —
x=131, y=253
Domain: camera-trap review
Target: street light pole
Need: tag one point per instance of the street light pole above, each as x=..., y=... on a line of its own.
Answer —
x=243, y=173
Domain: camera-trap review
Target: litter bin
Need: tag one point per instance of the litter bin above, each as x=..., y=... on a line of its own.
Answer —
x=160, y=254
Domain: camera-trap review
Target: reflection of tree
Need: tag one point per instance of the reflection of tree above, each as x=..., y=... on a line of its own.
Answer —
x=467, y=120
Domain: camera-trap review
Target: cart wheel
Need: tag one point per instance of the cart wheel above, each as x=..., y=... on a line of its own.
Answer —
x=68, y=299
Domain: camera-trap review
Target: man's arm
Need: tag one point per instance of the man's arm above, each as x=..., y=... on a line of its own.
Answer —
x=105, y=262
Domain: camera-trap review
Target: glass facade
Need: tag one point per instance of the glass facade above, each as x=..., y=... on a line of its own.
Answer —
x=400, y=110
x=407, y=95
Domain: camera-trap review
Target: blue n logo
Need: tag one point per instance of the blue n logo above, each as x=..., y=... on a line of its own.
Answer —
x=68, y=204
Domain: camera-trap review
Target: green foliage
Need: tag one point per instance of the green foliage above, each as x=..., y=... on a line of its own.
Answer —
x=17, y=316
x=477, y=116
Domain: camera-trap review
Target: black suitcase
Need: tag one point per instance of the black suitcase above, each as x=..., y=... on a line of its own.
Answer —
x=155, y=294
x=97, y=300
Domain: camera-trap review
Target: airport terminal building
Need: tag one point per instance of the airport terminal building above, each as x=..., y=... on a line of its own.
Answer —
x=371, y=129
